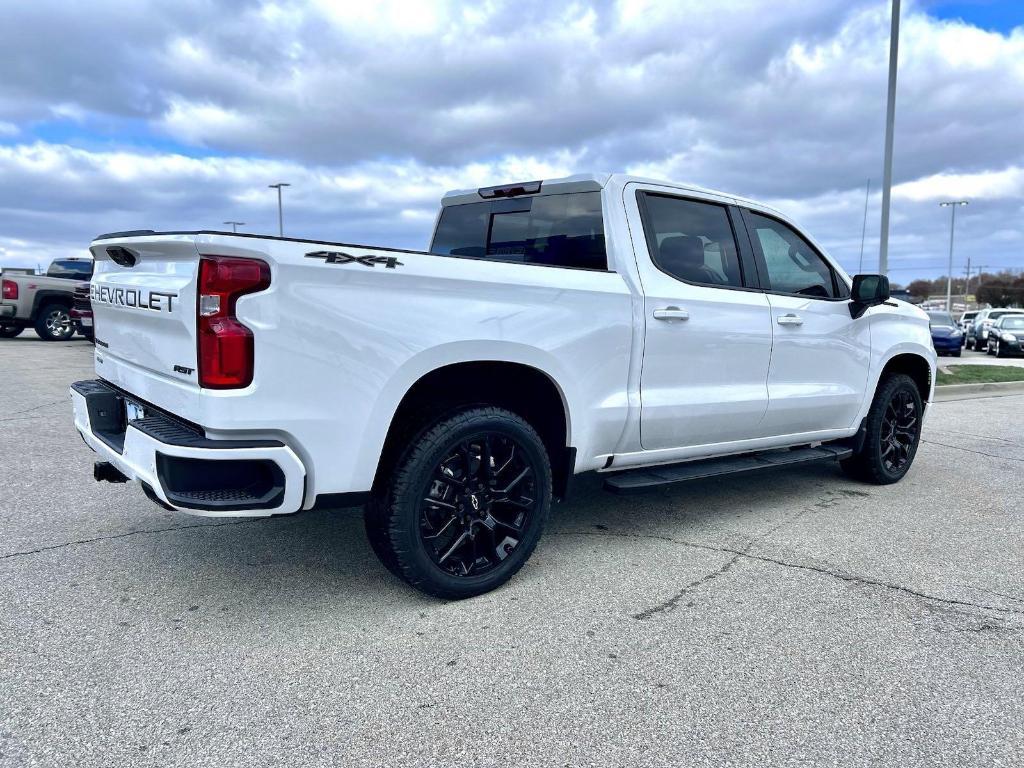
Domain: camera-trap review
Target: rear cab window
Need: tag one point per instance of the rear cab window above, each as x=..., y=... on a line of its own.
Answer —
x=691, y=240
x=68, y=269
x=557, y=230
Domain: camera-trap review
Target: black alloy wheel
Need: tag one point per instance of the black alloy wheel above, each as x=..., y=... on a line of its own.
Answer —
x=892, y=433
x=900, y=431
x=477, y=503
x=464, y=504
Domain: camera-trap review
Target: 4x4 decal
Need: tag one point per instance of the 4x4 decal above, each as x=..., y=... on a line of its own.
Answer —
x=338, y=257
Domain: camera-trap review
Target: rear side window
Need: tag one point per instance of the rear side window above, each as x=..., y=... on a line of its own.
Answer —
x=555, y=230
x=72, y=270
x=692, y=241
x=793, y=266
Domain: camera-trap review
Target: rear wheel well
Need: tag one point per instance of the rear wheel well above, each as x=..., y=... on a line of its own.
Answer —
x=914, y=366
x=519, y=388
x=47, y=299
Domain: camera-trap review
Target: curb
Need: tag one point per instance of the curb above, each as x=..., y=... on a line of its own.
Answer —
x=990, y=389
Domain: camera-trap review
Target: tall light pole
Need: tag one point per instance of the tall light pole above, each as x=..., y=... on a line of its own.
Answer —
x=235, y=225
x=890, y=120
x=280, y=213
x=952, y=205
x=864, y=227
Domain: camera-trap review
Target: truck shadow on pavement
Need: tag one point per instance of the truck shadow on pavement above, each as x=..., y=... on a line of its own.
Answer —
x=327, y=550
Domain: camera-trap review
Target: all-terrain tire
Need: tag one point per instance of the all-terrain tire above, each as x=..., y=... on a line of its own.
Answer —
x=870, y=463
x=393, y=516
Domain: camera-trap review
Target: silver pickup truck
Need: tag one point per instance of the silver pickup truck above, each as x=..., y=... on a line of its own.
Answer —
x=42, y=302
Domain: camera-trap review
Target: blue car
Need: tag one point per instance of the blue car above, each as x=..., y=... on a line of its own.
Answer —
x=946, y=334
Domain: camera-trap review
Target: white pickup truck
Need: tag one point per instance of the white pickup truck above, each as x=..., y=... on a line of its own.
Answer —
x=655, y=332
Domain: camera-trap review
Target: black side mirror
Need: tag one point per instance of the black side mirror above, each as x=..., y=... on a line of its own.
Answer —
x=868, y=291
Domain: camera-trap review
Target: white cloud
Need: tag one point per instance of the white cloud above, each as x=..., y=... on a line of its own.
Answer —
x=372, y=110
x=988, y=185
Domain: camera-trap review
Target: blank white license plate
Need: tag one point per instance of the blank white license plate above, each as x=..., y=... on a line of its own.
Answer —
x=133, y=412
x=86, y=322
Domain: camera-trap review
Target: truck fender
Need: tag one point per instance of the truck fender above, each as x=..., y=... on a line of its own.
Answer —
x=926, y=354
x=428, y=360
x=46, y=295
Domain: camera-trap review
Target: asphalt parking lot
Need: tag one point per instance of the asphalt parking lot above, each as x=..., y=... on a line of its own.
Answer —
x=796, y=617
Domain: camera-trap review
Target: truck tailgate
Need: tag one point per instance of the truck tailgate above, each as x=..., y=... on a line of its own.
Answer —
x=143, y=296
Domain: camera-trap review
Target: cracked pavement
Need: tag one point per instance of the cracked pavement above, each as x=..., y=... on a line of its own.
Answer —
x=792, y=617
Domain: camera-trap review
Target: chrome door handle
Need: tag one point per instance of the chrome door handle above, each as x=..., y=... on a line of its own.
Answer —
x=671, y=313
x=790, y=319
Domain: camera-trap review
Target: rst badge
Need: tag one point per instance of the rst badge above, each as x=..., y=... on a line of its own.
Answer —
x=339, y=257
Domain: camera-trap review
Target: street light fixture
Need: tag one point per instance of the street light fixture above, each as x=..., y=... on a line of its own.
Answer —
x=235, y=225
x=952, y=205
x=280, y=214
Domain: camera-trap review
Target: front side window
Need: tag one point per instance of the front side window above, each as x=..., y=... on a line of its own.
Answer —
x=692, y=241
x=556, y=230
x=793, y=266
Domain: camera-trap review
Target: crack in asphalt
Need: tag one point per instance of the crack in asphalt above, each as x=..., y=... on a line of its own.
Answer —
x=673, y=601
x=971, y=450
x=830, y=499
x=972, y=434
x=79, y=542
x=836, y=574
x=993, y=592
x=18, y=414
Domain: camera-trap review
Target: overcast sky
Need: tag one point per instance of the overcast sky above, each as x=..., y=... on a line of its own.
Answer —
x=126, y=115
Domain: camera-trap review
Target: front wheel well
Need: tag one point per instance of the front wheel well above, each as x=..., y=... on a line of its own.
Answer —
x=519, y=388
x=914, y=366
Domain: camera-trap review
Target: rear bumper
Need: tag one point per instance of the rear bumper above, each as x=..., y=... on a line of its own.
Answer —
x=946, y=343
x=180, y=466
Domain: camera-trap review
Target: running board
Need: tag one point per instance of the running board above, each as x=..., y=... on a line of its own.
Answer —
x=639, y=480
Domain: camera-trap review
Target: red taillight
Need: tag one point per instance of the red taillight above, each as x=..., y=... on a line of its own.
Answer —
x=10, y=289
x=225, y=345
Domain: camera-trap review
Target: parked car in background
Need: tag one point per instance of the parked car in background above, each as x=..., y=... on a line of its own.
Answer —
x=966, y=321
x=81, y=311
x=978, y=339
x=1006, y=336
x=946, y=334
x=42, y=302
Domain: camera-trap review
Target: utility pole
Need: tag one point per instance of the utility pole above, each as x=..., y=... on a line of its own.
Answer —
x=978, y=270
x=952, y=205
x=235, y=225
x=864, y=228
x=890, y=121
x=280, y=212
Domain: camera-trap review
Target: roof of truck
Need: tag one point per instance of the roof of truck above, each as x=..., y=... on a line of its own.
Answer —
x=585, y=182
